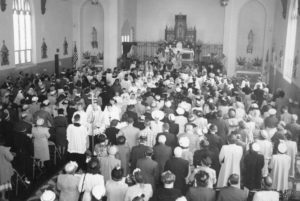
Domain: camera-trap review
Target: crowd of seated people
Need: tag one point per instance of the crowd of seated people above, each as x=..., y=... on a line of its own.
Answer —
x=149, y=134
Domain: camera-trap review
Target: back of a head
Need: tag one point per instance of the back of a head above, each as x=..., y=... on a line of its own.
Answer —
x=166, y=127
x=76, y=118
x=162, y=139
x=60, y=111
x=114, y=123
x=117, y=173
x=178, y=152
x=130, y=120
x=93, y=167
x=121, y=140
x=267, y=182
x=233, y=179
x=138, y=176
x=168, y=177
x=202, y=178
x=294, y=118
x=232, y=138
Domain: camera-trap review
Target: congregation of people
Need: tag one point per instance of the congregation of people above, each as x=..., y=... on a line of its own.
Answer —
x=150, y=133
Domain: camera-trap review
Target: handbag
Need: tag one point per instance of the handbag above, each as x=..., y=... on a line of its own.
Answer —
x=81, y=192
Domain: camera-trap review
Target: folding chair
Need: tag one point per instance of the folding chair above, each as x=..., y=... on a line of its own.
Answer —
x=54, y=151
x=19, y=179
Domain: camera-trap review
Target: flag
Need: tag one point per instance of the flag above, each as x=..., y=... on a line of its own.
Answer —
x=75, y=56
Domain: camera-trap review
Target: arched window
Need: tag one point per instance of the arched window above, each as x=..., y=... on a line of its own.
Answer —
x=22, y=31
x=290, y=41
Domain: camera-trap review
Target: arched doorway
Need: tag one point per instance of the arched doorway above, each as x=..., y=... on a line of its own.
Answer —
x=251, y=37
x=92, y=30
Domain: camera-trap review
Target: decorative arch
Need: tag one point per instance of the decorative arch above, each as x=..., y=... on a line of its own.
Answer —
x=91, y=20
x=251, y=33
x=126, y=32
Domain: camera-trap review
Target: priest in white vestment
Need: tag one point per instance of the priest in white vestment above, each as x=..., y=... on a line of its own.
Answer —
x=280, y=165
x=230, y=157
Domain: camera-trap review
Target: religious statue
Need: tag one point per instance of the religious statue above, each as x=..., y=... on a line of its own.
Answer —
x=44, y=49
x=43, y=6
x=3, y=5
x=66, y=46
x=250, y=42
x=4, y=55
x=94, y=38
x=296, y=64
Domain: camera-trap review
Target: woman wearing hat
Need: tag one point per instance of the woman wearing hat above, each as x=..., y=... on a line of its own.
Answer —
x=253, y=165
x=139, y=188
x=40, y=141
x=68, y=183
x=280, y=166
x=6, y=170
x=201, y=191
x=168, y=192
x=116, y=188
x=90, y=179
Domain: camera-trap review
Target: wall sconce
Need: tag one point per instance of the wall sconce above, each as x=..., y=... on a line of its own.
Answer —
x=224, y=2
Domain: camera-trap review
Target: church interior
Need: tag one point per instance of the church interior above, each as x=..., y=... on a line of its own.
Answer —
x=257, y=40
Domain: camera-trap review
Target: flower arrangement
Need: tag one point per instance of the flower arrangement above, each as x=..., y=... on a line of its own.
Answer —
x=241, y=61
x=257, y=62
x=86, y=55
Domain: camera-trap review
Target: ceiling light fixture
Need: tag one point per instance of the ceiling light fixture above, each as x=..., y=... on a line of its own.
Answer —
x=224, y=2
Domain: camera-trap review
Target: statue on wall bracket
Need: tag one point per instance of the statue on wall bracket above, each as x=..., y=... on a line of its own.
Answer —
x=296, y=64
x=4, y=55
x=3, y=5
x=250, y=42
x=44, y=49
x=94, y=38
x=43, y=6
x=66, y=46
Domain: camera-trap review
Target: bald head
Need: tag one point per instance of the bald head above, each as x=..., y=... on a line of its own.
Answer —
x=294, y=118
x=178, y=152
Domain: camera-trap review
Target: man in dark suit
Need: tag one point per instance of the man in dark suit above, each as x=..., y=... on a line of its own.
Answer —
x=149, y=168
x=180, y=168
x=232, y=192
x=174, y=127
x=171, y=138
x=138, y=152
x=23, y=146
x=162, y=153
x=214, y=140
x=222, y=126
x=111, y=132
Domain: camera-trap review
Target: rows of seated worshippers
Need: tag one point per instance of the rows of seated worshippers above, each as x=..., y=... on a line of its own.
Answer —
x=150, y=134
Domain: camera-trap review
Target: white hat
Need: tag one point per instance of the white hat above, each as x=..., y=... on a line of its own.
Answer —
x=282, y=147
x=180, y=111
x=112, y=150
x=162, y=139
x=178, y=152
x=98, y=191
x=40, y=122
x=25, y=107
x=264, y=134
x=46, y=102
x=48, y=196
x=60, y=91
x=35, y=99
x=182, y=198
x=178, y=89
x=157, y=97
x=184, y=142
x=24, y=114
x=254, y=106
x=53, y=92
x=168, y=103
x=71, y=166
x=171, y=117
x=272, y=111
x=255, y=147
x=158, y=114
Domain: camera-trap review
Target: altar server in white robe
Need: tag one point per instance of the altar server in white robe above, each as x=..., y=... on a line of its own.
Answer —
x=230, y=157
x=266, y=149
x=292, y=151
x=280, y=165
